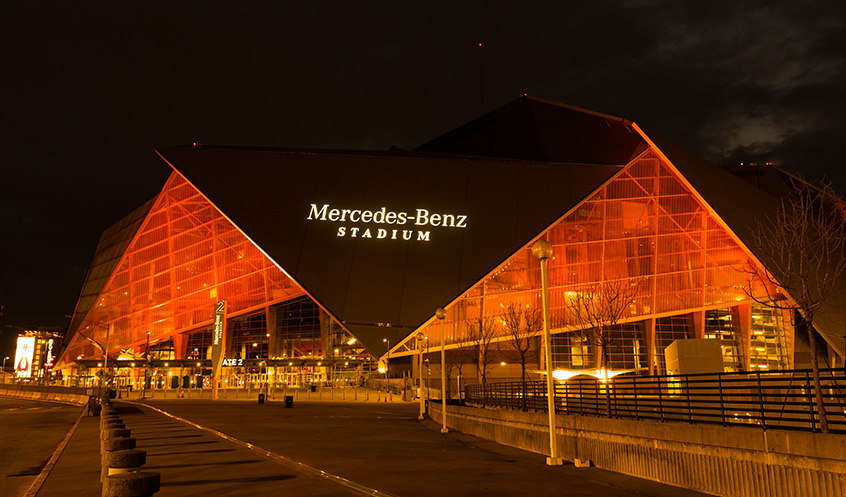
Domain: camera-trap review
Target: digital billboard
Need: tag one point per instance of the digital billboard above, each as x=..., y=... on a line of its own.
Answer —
x=23, y=357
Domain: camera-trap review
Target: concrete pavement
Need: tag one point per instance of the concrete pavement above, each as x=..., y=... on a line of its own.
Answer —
x=322, y=448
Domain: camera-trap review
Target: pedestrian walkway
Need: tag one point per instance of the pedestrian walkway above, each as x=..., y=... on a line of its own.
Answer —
x=317, y=448
x=191, y=462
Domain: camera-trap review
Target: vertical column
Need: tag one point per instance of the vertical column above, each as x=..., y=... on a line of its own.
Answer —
x=273, y=342
x=649, y=331
x=744, y=328
x=698, y=324
x=180, y=344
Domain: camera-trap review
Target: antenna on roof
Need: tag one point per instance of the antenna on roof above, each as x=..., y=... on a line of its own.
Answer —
x=481, y=82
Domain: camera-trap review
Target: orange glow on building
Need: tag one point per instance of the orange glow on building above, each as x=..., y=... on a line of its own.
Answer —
x=644, y=225
x=185, y=257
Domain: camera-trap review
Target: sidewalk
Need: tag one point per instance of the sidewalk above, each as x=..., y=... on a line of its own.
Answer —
x=191, y=462
x=325, y=448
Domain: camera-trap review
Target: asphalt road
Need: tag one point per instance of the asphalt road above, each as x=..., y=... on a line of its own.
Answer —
x=30, y=431
x=385, y=447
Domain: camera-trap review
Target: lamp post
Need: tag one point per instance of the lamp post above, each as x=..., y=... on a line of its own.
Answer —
x=387, y=368
x=441, y=315
x=4, y=362
x=542, y=250
x=420, y=375
x=106, y=354
x=146, y=368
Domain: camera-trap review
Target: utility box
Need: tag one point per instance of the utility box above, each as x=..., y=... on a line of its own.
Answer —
x=692, y=356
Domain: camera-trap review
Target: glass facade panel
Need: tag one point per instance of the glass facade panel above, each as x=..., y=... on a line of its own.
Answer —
x=768, y=344
x=645, y=226
x=723, y=325
x=184, y=258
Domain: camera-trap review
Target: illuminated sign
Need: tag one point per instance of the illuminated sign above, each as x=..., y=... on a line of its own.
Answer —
x=23, y=357
x=233, y=362
x=48, y=365
x=219, y=322
x=218, y=342
x=384, y=224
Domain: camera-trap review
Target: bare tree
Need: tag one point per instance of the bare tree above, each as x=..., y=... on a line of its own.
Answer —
x=456, y=359
x=521, y=324
x=481, y=332
x=802, y=244
x=598, y=308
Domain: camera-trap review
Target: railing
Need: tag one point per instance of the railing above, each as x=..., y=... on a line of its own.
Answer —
x=778, y=399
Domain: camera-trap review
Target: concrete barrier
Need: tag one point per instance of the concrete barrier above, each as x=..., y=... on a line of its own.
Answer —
x=132, y=484
x=727, y=461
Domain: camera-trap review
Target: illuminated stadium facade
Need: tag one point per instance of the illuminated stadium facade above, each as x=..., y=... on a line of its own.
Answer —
x=328, y=259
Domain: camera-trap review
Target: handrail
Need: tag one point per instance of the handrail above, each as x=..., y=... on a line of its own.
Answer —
x=765, y=399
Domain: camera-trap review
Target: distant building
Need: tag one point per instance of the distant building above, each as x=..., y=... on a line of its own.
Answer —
x=329, y=258
x=36, y=353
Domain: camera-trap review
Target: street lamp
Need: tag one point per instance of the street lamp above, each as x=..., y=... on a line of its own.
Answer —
x=387, y=368
x=4, y=362
x=440, y=313
x=420, y=373
x=146, y=367
x=542, y=250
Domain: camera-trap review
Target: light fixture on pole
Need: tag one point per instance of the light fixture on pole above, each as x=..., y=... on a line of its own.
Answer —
x=4, y=362
x=441, y=315
x=387, y=368
x=542, y=250
x=146, y=367
x=420, y=376
x=106, y=354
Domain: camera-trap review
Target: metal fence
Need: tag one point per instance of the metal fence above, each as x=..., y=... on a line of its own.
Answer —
x=778, y=399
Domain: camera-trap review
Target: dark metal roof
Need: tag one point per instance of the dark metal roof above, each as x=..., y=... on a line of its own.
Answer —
x=740, y=200
x=114, y=242
x=369, y=284
x=534, y=129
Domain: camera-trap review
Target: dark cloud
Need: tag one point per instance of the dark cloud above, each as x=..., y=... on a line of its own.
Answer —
x=90, y=89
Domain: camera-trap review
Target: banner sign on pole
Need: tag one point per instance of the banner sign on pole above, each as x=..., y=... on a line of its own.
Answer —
x=218, y=341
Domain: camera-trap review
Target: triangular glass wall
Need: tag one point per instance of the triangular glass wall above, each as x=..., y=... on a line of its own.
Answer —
x=645, y=224
x=185, y=257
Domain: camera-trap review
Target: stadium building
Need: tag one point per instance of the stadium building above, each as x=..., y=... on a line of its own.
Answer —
x=333, y=261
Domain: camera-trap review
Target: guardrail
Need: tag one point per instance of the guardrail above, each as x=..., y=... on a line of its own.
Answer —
x=49, y=393
x=778, y=399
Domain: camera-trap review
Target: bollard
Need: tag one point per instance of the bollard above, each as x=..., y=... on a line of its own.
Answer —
x=119, y=443
x=113, y=425
x=113, y=445
x=93, y=407
x=133, y=484
x=109, y=417
x=116, y=433
x=106, y=435
x=122, y=461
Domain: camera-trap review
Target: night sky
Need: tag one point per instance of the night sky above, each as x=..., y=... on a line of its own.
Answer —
x=90, y=89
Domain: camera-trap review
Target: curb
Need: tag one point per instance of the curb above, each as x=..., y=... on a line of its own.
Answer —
x=42, y=477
